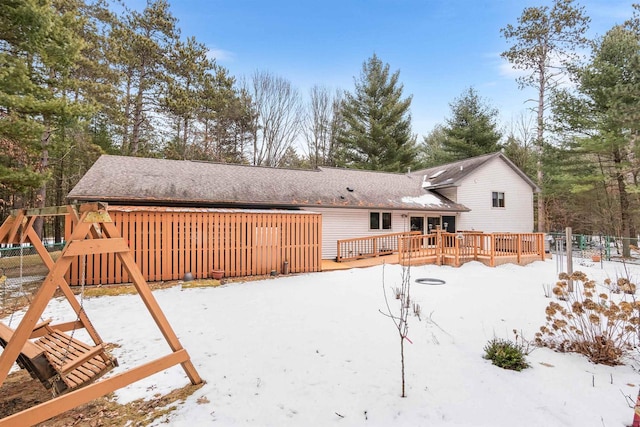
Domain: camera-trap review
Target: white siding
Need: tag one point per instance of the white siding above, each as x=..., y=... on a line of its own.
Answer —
x=450, y=193
x=475, y=193
x=340, y=224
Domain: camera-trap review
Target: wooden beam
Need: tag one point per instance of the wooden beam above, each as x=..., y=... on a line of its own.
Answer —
x=97, y=216
x=152, y=304
x=95, y=246
x=39, y=331
x=92, y=207
x=6, y=226
x=40, y=249
x=60, y=404
x=17, y=223
x=48, y=211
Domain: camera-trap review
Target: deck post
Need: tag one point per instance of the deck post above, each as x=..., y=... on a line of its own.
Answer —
x=492, y=259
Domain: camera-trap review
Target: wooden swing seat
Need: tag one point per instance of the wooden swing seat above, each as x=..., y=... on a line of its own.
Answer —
x=66, y=364
x=59, y=360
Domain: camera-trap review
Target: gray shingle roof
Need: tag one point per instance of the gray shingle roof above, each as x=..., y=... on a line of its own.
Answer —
x=451, y=174
x=135, y=180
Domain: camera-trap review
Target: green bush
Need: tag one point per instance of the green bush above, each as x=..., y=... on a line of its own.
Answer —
x=506, y=354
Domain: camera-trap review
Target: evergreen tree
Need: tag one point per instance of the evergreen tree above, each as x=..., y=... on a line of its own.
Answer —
x=186, y=70
x=223, y=118
x=431, y=151
x=472, y=129
x=603, y=116
x=39, y=51
x=140, y=44
x=543, y=37
x=377, y=124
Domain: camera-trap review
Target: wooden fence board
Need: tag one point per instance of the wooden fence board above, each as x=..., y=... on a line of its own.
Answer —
x=168, y=242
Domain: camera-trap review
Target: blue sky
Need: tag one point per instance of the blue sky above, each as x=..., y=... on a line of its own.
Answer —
x=440, y=47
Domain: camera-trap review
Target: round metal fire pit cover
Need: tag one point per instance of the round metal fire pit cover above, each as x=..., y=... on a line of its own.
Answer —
x=430, y=281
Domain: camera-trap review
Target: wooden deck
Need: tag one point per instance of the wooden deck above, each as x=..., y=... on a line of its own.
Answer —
x=442, y=248
x=331, y=265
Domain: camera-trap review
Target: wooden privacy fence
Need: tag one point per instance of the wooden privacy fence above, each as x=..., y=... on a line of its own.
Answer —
x=367, y=247
x=457, y=248
x=166, y=243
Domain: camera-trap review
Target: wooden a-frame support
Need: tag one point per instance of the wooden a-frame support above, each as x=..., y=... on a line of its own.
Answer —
x=93, y=233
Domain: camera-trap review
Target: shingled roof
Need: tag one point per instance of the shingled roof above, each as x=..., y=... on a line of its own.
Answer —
x=135, y=180
x=450, y=174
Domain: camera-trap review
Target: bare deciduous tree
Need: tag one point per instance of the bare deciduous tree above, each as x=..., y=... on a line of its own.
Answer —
x=400, y=319
x=320, y=125
x=278, y=108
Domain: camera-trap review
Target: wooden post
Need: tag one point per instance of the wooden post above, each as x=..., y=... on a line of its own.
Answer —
x=636, y=412
x=492, y=259
x=569, y=250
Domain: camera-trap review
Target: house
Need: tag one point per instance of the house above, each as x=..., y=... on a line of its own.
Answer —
x=485, y=193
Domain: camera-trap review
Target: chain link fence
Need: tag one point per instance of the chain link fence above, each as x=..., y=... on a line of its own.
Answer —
x=595, y=248
x=21, y=273
x=20, y=261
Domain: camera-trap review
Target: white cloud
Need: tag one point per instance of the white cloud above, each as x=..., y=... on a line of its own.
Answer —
x=507, y=70
x=220, y=55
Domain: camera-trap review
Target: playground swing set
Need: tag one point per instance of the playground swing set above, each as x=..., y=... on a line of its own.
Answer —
x=63, y=363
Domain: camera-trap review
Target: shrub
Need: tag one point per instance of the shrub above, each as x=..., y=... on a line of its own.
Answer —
x=589, y=322
x=506, y=354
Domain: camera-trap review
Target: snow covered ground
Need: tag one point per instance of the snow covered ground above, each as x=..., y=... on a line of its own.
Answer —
x=314, y=350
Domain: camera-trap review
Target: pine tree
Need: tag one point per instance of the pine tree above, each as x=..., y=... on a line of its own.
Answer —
x=377, y=123
x=139, y=45
x=542, y=37
x=472, y=129
x=40, y=51
x=604, y=115
x=186, y=70
x=431, y=151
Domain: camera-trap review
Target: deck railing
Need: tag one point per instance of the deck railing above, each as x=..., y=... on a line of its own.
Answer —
x=368, y=247
x=457, y=248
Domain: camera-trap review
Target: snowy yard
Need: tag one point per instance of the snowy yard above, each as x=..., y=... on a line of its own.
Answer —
x=314, y=350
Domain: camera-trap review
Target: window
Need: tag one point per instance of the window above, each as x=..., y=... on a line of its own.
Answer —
x=380, y=220
x=497, y=199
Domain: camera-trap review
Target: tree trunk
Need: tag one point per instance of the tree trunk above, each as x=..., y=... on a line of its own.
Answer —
x=41, y=194
x=625, y=218
x=137, y=122
x=402, y=363
x=57, y=220
x=542, y=225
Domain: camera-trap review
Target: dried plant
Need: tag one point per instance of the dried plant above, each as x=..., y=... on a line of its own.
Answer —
x=590, y=322
x=417, y=310
x=400, y=319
